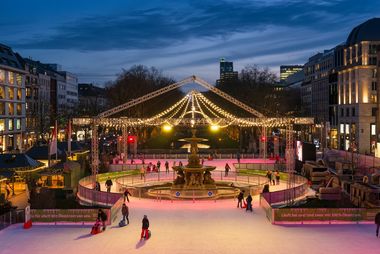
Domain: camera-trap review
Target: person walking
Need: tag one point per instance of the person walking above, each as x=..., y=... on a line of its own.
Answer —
x=102, y=216
x=125, y=212
x=238, y=157
x=269, y=176
x=109, y=184
x=142, y=172
x=166, y=166
x=145, y=228
x=158, y=166
x=240, y=198
x=277, y=174
x=226, y=169
x=249, y=203
x=377, y=222
x=273, y=178
x=126, y=194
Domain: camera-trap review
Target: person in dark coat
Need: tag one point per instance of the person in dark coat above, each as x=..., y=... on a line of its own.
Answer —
x=126, y=194
x=249, y=203
x=167, y=166
x=109, y=184
x=125, y=212
x=377, y=221
x=145, y=227
x=238, y=157
x=102, y=216
x=226, y=169
x=240, y=198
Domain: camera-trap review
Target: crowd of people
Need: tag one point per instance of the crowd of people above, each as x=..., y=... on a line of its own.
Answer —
x=273, y=177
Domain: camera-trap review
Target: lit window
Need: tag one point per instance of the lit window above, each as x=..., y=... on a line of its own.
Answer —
x=2, y=76
x=11, y=78
x=341, y=128
x=11, y=94
x=373, y=129
x=18, y=124
x=2, y=124
x=10, y=124
x=2, y=92
x=347, y=129
x=18, y=79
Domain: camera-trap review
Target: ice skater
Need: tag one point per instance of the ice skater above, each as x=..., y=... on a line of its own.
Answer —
x=240, y=198
x=145, y=228
x=227, y=168
x=102, y=216
x=109, y=184
x=125, y=212
x=166, y=166
x=249, y=203
x=277, y=174
x=126, y=194
x=377, y=222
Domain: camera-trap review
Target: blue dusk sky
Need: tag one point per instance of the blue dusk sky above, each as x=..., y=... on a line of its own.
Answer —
x=97, y=39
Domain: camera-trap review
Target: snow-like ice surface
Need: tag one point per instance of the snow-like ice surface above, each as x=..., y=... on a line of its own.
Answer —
x=186, y=227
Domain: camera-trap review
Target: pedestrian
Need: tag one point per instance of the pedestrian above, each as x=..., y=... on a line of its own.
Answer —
x=249, y=203
x=240, y=198
x=238, y=157
x=97, y=186
x=167, y=166
x=142, y=172
x=377, y=221
x=226, y=169
x=277, y=174
x=158, y=166
x=145, y=227
x=126, y=194
x=269, y=176
x=273, y=178
x=109, y=184
x=102, y=216
x=125, y=212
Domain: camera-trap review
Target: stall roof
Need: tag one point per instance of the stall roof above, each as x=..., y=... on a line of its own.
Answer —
x=17, y=161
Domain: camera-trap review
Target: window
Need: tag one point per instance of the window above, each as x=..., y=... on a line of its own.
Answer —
x=374, y=85
x=11, y=94
x=2, y=125
x=18, y=124
x=19, y=94
x=372, y=61
x=373, y=129
x=10, y=124
x=2, y=108
x=11, y=78
x=341, y=112
x=374, y=73
x=2, y=92
x=18, y=79
x=28, y=92
x=19, y=109
x=374, y=111
x=11, y=109
x=373, y=98
x=347, y=128
x=353, y=111
x=347, y=112
x=341, y=128
x=2, y=76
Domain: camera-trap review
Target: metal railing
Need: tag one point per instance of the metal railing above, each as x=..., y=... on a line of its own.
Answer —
x=12, y=217
x=284, y=195
x=91, y=196
x=186, y=155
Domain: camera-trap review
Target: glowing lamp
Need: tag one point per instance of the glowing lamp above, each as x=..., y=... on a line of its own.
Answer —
x=167, y=127
x=263, y=139
x=214, y=127
x=131, y=139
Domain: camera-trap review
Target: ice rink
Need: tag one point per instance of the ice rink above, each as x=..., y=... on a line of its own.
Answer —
x=186, y=227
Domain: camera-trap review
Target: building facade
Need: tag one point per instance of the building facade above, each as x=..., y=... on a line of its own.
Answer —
x=92, y=99
x=226, y=72
x=12, y=100
x=287, y=70
x=357, y=89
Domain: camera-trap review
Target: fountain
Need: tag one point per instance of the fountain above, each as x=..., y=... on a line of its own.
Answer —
x=194, y=178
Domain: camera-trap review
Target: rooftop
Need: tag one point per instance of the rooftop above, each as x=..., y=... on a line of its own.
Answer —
x=367, y=31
